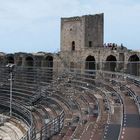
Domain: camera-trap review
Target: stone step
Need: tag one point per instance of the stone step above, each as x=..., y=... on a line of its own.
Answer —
x=10, y=132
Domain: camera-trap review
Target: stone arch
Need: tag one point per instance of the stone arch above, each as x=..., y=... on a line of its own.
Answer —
x=48, y=61
x=29, y=61
x=133, y=58
x=133, y=65
x=110, y=64
x=90, y=63
x=10, y=59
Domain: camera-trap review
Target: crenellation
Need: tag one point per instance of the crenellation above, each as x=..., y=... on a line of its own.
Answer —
x=71, y=19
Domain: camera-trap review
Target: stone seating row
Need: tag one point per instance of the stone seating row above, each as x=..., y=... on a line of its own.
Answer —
x=71, y=93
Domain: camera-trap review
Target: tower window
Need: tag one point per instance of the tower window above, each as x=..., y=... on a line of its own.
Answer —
x=73, y=46
x=90, y=44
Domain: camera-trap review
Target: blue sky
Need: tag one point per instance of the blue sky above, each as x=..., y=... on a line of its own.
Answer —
x=34, y=25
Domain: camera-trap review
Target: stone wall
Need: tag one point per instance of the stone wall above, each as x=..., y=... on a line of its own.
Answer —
x=81, y=39
x=85, y=32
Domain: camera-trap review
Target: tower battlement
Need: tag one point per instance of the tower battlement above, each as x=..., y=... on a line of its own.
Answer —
x=78, y=33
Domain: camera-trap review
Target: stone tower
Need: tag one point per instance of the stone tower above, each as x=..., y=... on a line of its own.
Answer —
x=79, y=33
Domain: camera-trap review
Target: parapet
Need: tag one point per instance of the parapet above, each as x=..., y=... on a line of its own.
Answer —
x=78, y=18
x=71, y=19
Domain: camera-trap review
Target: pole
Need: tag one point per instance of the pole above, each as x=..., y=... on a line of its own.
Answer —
x=10, y=94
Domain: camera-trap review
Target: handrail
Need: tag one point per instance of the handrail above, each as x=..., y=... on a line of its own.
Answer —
x=35, y=75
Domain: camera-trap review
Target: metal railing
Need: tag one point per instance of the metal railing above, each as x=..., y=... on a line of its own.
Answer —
x=34, y=77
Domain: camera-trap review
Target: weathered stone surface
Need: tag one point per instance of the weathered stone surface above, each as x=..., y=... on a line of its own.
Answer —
x=82, y=40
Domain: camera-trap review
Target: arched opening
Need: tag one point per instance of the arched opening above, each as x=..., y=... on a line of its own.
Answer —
x=133, y=65
x=73, y=46
x=110, y=64
x=48, y=62
x=29, y=61
x=90, y=64
x=29, y=70
x=10, y=59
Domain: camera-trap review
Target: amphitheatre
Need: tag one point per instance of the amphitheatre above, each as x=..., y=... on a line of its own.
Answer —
x=88, y=91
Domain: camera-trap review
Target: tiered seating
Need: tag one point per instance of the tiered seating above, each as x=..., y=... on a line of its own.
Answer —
x=121, y=85
x=70, y=105
x=83, y=111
